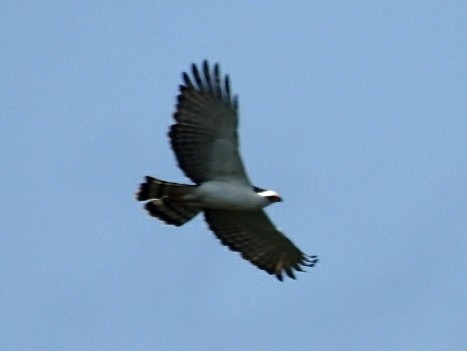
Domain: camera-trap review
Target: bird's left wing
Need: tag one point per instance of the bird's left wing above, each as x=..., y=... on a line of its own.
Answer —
x=204, y=137
x=257, y=239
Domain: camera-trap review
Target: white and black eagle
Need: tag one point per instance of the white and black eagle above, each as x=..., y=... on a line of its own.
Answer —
x=204, y=139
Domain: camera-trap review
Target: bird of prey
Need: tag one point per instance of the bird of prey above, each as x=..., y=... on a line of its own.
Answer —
x=204, y=139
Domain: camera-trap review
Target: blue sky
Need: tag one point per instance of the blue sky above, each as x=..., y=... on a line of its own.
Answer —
x=355, y=112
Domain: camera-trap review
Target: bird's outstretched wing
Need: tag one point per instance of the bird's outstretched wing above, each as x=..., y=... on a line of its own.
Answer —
x=258, y=240
x=204, y=137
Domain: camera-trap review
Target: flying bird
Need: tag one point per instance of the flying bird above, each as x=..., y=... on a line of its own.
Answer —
x=205, y=141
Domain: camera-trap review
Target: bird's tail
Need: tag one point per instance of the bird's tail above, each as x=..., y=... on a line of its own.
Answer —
x=164, y=201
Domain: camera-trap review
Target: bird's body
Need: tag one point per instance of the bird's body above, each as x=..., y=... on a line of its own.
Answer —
x=221, y=195
x=204, y=139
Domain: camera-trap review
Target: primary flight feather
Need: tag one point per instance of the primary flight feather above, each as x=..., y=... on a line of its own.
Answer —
x=205, y=141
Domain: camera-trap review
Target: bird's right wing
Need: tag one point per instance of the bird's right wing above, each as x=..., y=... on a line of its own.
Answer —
x=257, y=239
x=204, y=137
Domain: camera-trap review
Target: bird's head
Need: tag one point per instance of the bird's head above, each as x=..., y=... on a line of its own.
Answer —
x=270, y=195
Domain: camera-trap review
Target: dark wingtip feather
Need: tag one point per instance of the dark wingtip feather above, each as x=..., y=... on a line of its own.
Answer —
x=279, y=276
x=217, y=81
x=310, y=261
x=205, y=62
x=197, y=76
x=207, y=76
x=186, y=80
x=290, y=272
x=298, y=268
x=227, y=88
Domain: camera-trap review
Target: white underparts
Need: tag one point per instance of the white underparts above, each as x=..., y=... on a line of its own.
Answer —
x=227, y=196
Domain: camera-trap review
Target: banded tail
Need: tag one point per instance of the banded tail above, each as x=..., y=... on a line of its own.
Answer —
x=164, y=201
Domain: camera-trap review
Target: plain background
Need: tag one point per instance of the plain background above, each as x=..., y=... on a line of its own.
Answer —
x=355, y=112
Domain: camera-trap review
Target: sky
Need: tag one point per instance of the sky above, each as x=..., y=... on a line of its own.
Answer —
x=355, y=112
